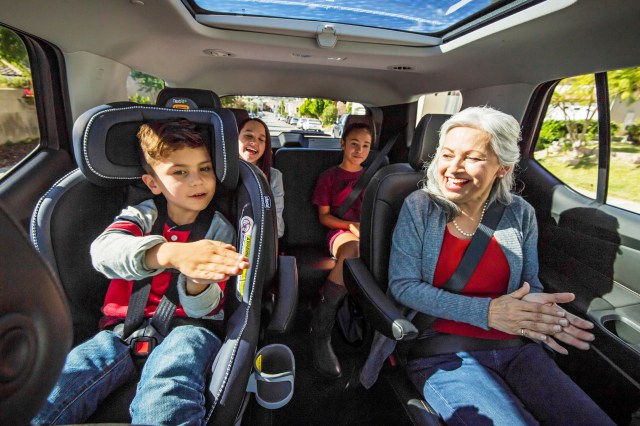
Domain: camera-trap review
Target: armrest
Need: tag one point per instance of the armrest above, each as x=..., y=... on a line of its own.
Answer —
x=286, y=296
x=382, y=313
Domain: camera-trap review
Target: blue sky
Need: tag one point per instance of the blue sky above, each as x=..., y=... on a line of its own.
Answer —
x=407, y=15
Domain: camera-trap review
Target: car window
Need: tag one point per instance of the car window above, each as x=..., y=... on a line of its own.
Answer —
x=19, y=132
x=143, y=88
x=568, y=142
x=285, y=114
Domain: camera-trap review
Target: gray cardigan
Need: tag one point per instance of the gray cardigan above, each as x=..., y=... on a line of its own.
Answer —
x=415, y=249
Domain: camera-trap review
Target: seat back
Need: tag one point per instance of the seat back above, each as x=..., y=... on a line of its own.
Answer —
x=78, y=207
x=305, y=237
x=240, y=114
x=386, y=192
x=35, y=326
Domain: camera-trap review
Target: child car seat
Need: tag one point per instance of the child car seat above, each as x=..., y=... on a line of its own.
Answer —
x=80, y=205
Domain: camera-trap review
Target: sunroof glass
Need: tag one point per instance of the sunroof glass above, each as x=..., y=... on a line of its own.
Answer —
x=423, y=17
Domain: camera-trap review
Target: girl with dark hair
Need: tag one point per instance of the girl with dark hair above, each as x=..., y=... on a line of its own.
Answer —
x=255, y=148
x=333, y=187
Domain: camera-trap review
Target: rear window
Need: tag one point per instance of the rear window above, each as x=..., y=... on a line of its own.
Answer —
x=284, y=114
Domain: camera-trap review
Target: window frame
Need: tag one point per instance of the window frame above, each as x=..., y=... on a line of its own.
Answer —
x=534, y=117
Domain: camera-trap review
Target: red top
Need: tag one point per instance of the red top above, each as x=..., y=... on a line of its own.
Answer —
x=116, y=301
x=333, y=187
x=490, y=279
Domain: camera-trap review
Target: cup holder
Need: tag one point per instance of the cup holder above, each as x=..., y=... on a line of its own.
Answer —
x=273, y=376
x=622, y=328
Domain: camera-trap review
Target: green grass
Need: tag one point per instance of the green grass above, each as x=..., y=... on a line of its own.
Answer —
x=623, y=176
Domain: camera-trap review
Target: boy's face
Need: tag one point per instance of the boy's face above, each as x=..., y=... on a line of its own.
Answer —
x=356, y=147
x=187, y=180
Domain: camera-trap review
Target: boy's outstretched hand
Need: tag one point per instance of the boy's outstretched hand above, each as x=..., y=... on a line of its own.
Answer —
x=204, y=261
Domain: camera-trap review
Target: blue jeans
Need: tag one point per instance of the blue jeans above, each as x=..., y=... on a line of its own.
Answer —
x=513, y=386
x=171, y=386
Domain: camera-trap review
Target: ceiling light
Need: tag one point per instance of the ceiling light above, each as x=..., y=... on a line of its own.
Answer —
x=337, y=58
x=218, y=53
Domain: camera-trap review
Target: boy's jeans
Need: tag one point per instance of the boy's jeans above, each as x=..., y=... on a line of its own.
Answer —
x=490, y=388
x=171, y=387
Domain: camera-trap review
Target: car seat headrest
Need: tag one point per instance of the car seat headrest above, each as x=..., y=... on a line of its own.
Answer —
x=107, y=149
x=425, y=139
x=183, y=98
x=366, y=119
x=240, y=114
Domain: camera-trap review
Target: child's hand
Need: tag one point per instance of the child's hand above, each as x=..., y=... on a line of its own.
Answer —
x=203, y=261
x=354, y=227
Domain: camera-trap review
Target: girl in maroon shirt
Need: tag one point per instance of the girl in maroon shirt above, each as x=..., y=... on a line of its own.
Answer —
x=333, y=187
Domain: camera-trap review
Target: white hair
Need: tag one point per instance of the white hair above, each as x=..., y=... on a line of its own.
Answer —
x=504, y=132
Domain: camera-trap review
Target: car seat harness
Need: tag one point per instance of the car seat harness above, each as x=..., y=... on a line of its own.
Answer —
x=143, y=335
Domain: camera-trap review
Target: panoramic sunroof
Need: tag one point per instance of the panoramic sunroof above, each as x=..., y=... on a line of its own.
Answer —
x=423, y=17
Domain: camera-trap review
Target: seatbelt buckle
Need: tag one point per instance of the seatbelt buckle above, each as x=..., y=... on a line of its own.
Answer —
x=144, y=340
x=142, y=346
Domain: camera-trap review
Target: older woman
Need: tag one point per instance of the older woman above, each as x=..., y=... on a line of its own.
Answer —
x=475, y=366
x=255, y=148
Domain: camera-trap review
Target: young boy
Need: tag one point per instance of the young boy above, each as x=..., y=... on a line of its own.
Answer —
x=171, y=388
x=333, y=187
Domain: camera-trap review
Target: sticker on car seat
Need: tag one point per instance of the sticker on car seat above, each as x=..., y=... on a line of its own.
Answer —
x=247, y=231
x=267, y=202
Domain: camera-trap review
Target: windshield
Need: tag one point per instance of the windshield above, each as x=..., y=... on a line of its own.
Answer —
x=424, y=17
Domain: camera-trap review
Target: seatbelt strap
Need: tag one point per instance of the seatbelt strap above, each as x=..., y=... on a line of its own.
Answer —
x=476, y=249
x=470, y=259
x=365, y=178
x=161, y=320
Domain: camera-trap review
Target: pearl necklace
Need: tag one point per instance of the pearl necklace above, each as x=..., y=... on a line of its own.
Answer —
x=470, y=234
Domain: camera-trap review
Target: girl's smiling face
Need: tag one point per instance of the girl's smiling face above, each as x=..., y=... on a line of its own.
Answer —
x=356, y=146
x=467, y=166
x=252, y=140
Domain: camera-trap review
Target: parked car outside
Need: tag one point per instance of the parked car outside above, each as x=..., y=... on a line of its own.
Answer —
x=311, y=124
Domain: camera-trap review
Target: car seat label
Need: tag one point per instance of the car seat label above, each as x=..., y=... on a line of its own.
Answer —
x=247, y=231
x=267, y=202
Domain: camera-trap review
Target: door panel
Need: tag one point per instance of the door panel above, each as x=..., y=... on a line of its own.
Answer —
x=591, y=250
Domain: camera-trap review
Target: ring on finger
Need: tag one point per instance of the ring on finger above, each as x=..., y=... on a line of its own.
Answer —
x=522, y=332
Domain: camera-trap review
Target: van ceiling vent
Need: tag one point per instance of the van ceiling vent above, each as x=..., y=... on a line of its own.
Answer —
x=401, y=68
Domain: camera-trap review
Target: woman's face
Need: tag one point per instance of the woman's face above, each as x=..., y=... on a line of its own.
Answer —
x=467, y=166
x=252, y=141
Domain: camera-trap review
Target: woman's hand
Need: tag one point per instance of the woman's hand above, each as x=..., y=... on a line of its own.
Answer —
x=573, y=334
x=511, y=314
